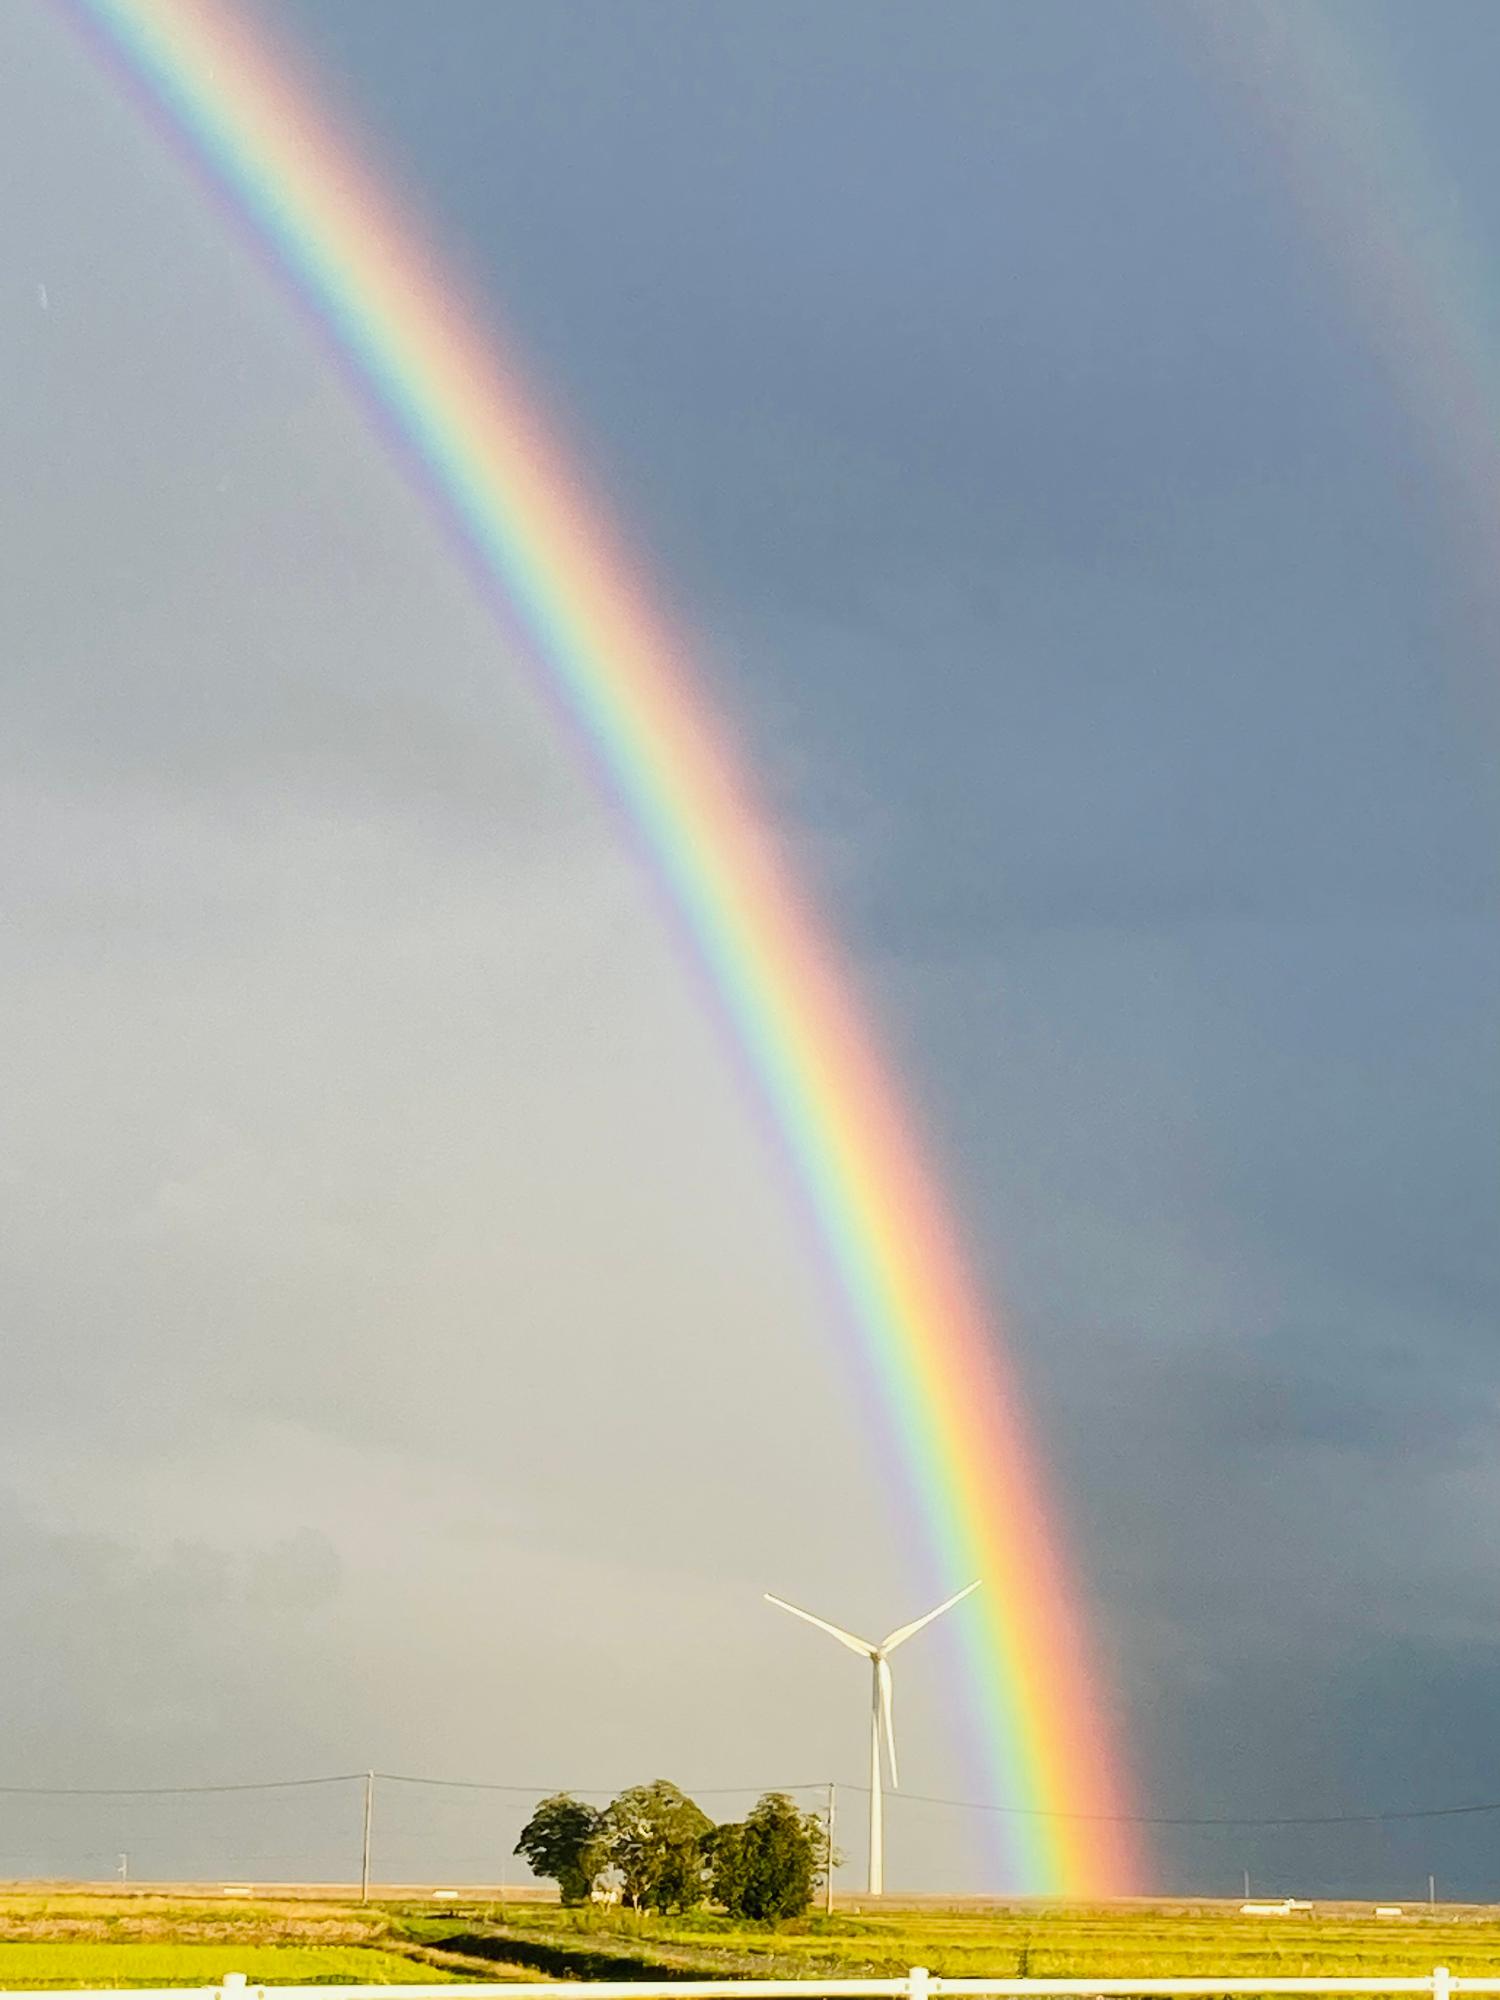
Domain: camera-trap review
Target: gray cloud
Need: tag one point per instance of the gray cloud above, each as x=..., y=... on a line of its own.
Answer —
x=409, y=1344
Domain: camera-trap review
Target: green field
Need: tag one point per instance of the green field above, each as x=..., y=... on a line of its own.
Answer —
x=107, y=1941
x=104, y=1940
x=1037, y=1942
x=68, y=1963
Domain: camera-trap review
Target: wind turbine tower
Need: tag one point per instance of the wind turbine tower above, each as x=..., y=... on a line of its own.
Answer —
x=881, y=1723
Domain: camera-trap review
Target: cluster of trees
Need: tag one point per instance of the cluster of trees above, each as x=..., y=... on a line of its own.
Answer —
x=656, y=1850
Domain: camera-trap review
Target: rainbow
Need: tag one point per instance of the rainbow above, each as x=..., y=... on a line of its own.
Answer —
x=464, y=421
x=1364, y=185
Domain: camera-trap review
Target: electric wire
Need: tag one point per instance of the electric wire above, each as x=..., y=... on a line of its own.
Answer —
x=1228, y=1821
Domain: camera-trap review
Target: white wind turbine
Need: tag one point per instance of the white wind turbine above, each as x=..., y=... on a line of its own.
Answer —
x=881, y=1723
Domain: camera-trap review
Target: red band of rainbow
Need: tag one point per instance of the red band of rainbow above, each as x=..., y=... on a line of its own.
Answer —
x=487, y=459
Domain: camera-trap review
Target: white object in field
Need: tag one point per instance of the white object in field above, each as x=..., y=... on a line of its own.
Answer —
x=1282, y=1909
x=1389, y=1910
x=882, y=1723
x=447, y=1895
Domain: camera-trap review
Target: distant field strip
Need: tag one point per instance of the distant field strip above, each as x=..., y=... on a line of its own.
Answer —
x=66, y=1963
x=1035, y=1943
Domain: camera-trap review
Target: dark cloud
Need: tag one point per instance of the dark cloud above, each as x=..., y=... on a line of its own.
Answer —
x=108, y=1646
x=1088, y=605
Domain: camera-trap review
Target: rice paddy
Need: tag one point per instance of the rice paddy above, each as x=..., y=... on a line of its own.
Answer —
x=102, y=1940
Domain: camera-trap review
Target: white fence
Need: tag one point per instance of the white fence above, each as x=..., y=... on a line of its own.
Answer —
x=919, y=1984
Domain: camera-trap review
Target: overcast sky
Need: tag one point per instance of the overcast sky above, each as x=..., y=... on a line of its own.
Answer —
x=410, y=1356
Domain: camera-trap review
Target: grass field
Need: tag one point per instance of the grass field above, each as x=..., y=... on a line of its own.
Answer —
x=62, y=1963
x=143, y=1940
x=1037, y=1942
x=82, y=1940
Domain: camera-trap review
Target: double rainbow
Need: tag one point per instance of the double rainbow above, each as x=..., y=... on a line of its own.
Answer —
x=486, y=459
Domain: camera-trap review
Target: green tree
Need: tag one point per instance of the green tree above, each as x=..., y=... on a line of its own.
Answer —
x=724, y=1860
x=653, y=1835
x=561, y=1841
x=767, y=1867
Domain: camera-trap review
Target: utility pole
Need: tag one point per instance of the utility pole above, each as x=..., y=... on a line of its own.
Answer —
x=364, y=1855
x=828, y=1865
x=1247, y=1885
x=1431, y=1889
x=124, y=1870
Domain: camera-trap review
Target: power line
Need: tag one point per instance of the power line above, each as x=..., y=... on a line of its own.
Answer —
x=1228, y=1821
x=168, y=1791
x=1159, y=1819
x=582, y=1791
x=988, y=1806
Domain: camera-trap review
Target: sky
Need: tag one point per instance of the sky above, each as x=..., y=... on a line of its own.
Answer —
x=413, y=1356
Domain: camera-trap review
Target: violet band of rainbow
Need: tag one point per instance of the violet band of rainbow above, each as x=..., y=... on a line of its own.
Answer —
x=490, y=463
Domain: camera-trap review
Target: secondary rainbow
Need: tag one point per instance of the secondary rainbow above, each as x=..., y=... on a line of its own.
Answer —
x=1366, y=183
x=465, y=422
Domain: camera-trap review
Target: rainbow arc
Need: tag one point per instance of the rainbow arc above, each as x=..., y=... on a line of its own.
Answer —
x=490, y=465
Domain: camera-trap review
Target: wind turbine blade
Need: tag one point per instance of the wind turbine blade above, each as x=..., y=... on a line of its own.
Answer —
x=903, y=1632
x=860, y=1646
x=883, y=1675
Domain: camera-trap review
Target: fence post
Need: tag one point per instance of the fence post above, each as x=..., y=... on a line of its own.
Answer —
x=917, y=1983
x=828, y=1858
x=1442, y=1983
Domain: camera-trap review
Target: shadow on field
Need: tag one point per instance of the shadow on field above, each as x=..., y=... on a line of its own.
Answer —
x=561, y=1959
